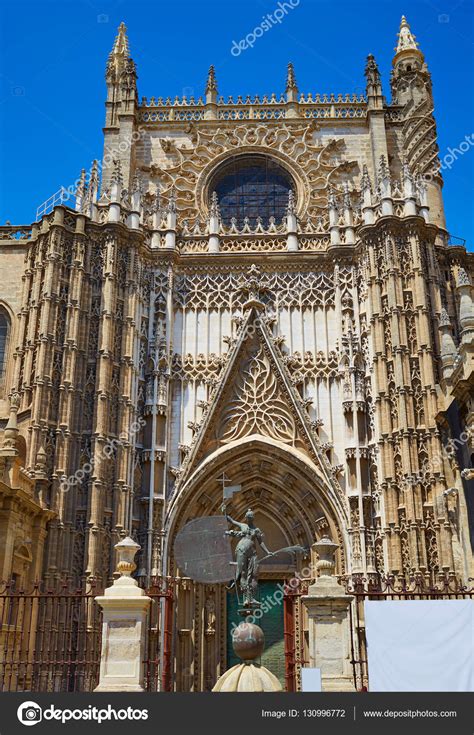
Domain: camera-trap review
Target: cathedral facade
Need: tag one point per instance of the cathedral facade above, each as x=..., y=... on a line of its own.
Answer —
x=260, y=292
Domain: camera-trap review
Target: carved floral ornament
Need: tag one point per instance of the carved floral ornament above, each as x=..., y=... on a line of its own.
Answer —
x=313, y=165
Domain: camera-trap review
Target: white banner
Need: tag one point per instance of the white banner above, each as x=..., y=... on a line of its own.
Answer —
x=420, y=645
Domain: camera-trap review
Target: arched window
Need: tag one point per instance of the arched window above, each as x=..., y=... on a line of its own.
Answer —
x=252, y=186
x=4, y=330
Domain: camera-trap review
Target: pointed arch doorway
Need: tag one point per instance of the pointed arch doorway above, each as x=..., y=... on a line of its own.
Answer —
x=292, y=504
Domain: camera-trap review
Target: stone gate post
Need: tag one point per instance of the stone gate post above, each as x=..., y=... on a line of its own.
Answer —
x=329, y=623
x=125, y=607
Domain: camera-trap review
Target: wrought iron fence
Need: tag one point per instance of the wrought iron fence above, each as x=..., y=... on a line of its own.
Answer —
x=157, y=664
x=375, y=587
x=50, y=638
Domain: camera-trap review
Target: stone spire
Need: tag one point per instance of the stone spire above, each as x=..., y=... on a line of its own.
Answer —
x=120, y=53
x=120, y=109
x=406, y=39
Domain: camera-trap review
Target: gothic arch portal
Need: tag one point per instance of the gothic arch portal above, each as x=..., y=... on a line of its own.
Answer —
x=277, y=480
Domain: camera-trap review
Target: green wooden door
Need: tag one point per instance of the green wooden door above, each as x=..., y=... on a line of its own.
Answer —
x=271, y=623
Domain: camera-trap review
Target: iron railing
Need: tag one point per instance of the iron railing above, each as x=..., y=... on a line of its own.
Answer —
x=50, y=638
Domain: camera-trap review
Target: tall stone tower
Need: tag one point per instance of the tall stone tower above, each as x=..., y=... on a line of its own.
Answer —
x=263, y=289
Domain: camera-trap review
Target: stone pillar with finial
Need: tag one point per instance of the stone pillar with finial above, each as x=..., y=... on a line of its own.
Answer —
x=125, y=609
x=328, y=608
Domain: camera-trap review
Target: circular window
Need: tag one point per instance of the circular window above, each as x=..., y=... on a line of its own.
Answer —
x=252, y=187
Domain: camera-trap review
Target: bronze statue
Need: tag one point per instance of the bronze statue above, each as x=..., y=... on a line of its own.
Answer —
x=246, y=556
x=247, y=561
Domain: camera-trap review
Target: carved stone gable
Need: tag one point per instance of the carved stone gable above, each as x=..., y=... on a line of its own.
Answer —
x=256, y=404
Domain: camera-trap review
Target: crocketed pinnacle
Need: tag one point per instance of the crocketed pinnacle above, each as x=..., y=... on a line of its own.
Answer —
x=120, y=54
x=406, y=39
x=211, y=83
x=291, y=79
x=444, y=320
x=120, y=46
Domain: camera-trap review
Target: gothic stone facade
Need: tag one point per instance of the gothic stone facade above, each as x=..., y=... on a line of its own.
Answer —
x=157, y=337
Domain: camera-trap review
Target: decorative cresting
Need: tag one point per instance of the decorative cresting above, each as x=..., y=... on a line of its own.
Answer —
x=190, y=167
x=257, y=404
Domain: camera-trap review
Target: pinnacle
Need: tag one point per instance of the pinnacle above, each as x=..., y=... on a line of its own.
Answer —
x=211, y=83
x=291, y=78
x=120, y=47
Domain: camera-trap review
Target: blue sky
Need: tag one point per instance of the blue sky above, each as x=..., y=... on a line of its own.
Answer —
x=53, y=58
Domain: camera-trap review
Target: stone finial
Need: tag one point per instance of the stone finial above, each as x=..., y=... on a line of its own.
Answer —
x=291, y=84
x=291, y=207
x=127, y=548
x=444, y=320
x=326, y=582
x=117, y=177
x=94, y=181
x=214, y=208
x=383, y=172
x=41, y=461
x=157, y=202
x=172, y=201
x=365, y=182
x=136, y=184
x=406, y=172
x=448, y=348
x=346, y=198
x=10, y=433
x=325, y=548
x=253, y=287
x=211, y=82
x=80, y=191
x=463, y=278
x=406, y=39
x=466, y=305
